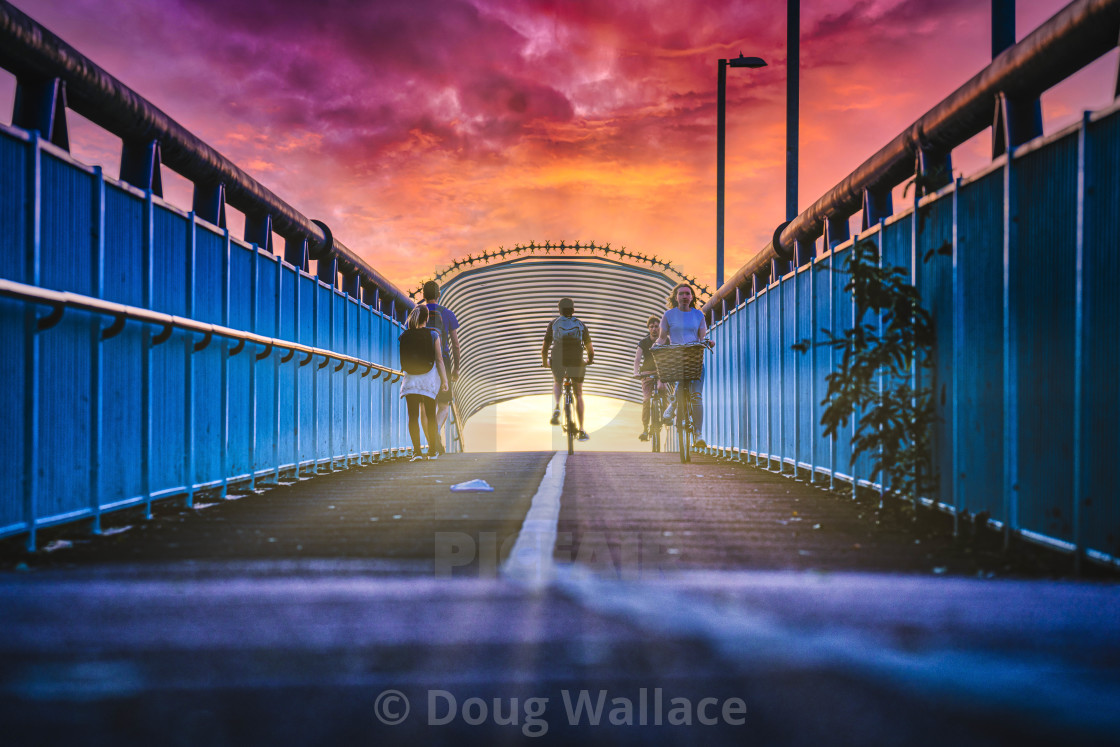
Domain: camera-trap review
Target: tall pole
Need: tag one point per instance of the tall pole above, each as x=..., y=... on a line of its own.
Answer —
x=793, y=52
x=721, y=112
x=1003, y=25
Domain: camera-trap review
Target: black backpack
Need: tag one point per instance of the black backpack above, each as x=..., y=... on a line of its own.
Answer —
x=418, y=354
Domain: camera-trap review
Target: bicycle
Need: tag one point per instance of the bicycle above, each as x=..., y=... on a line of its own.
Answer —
x=683, y=364
x=658, y=402
x=570, y=429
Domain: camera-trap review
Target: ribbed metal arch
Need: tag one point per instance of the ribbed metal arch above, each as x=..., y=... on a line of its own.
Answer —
x=504, y=309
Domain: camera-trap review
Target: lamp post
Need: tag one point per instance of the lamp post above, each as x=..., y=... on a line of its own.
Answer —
x=721, y=115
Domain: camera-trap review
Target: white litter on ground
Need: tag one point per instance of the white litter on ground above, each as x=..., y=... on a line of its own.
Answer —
x=473, y=486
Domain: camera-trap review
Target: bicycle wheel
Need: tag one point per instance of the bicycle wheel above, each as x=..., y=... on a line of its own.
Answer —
x=569, y=426
x=655, y=433
x=684, y=424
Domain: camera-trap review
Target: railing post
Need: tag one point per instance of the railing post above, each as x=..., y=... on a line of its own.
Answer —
x=958, y=361
x=31, y=342
x=140, y=165
x=1079, y=342
x=40, y=106
x=188, y=374
x=146, y=275
x=276, y=369
x=254, y=269
x=224, y=458
x=96, y=366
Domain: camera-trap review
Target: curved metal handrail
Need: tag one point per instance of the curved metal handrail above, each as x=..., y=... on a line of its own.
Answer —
x=1078, y=34
x=65, y=299
x=30, y=49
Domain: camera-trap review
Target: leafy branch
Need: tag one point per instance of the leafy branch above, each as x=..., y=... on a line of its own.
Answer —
x=883, y=375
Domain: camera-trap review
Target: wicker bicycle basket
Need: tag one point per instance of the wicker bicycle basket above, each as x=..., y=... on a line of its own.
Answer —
x=679, y=362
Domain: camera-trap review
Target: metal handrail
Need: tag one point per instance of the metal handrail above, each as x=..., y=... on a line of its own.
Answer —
x=29, y=48
x=64, y=299
x=1078, y=34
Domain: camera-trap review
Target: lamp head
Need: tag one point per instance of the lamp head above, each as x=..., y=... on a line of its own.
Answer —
x=742, y=61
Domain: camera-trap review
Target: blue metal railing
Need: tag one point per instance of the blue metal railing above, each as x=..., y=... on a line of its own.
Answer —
x=1021, y=281
x=149, y=354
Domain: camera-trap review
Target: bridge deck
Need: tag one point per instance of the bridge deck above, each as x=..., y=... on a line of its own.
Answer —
x=280, y=617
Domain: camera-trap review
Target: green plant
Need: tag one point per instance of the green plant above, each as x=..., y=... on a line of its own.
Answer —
x=884, y=375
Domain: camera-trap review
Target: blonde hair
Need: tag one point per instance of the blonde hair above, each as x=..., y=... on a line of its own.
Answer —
x=673, y=295
x=418, y=317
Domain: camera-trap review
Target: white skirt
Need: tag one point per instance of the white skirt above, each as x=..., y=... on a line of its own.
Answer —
x=426, y=385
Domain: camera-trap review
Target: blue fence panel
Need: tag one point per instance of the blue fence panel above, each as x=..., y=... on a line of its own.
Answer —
x=323, y=394
x=307, y=372
x=209, y=303
x=239, y=414
x=168, y=399
x=977, y=477
x=934, y=270
x=1098, y=510
x=787, y=369
x=1045, y=186
x=287, y=402
x=14, y=159
x=64, y=375
x=121, y=378
x=265, y=369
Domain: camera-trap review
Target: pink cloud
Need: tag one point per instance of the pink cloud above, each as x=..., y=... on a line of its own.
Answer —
x=424, y=130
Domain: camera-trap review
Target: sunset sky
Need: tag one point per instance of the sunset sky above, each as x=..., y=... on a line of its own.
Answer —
x=424, y=130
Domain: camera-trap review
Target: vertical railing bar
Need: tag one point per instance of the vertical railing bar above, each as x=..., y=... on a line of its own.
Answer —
x=189, y=353
x=781, y=357
x=97, y=352
x=796, y=375
x=1079, y=342
x=852, y=461
x=32, y=274
x=757, y=379
x=833, y=456
x=224, y=387
x=147, y=278
x=882, y=472
x=330, y=378
x=813, y=300
x=345, y=379
x=1010, y=353
x=769, y=377
x=956, y=481
x=297, y=320
x=276, y=366
x=315, y=379
x=254, y=270
x=361, y=383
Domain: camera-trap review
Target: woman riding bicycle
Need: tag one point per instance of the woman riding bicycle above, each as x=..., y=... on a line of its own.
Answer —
x=684, y=323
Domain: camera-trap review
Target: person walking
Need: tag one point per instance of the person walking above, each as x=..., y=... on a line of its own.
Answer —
x=424, y=378
x=443, y=321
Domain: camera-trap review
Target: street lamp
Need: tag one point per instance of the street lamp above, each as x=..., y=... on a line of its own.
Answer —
x=721, y=112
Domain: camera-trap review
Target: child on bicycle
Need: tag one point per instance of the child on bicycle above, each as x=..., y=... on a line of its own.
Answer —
x=646, y=370
x=566, y=338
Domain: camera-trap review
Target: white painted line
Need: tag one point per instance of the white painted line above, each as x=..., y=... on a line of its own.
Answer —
x=530, y=560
